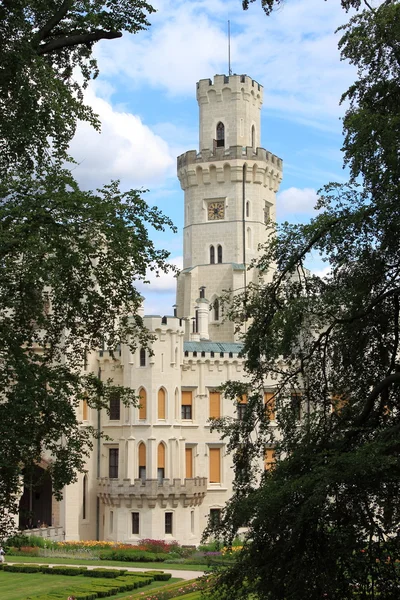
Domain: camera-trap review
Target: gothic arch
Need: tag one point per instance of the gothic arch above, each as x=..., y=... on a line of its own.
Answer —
x=142, y=460
x=162, y=403
x=220, y=134
x=212, y=255
x=161, y=461
x=143, y=403
x=219, y=253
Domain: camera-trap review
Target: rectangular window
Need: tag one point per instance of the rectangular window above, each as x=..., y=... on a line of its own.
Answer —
x=269, y=402
x=192, y=521
x=215, y=516
x=142, y=474
x=241, y=410
x=215, y=465
x=85, y=410
x=215, y=405
x=142, y=357
x=135, y=523
x=168, y=522
x=115, y=407
x=189, y=462
x=269, y=459
x=111, y=521
x=186, y=408
x=113, y=456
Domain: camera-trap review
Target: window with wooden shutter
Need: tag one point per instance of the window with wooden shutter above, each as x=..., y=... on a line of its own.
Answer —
x=85, y=410
x=189, y=462
x=269, y=401
x=142, y=461
x=143, y=403
x=215, y=405
x=161, y=403
x=269, y=459
x=241, y=407
x=186, y=408
x=160, y=463
x=215, y=465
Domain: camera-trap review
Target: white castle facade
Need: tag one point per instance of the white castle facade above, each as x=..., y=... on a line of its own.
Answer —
x=163, y=472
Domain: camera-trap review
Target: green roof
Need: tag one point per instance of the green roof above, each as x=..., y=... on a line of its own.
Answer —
x=206, y=346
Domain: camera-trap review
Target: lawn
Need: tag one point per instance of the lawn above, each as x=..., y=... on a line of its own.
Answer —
x=149, y=566
x=19, y=586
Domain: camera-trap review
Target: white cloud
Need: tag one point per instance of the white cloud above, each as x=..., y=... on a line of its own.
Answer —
x=126, y=149
x=322, y=272
x=165, y=282
x=296, y=200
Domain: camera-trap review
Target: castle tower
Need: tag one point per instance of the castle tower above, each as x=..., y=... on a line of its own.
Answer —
x=230, y=192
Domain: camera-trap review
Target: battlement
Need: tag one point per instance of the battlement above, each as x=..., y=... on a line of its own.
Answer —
x=234, y=152
x=166, y=324
x=236, y=84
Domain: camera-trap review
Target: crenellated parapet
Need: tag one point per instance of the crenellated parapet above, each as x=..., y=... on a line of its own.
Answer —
x=240, y=87
x=152, y=492
x=263, y=167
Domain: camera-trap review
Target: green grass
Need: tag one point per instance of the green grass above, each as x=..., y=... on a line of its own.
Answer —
x=18, y=586
x=105, y=563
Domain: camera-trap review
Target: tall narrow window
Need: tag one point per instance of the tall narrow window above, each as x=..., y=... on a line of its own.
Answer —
x=241, y=407
x=215, y=465
x=186, y=409
x=215, y=405
x=220, y=135
x=216, y=309
x=269, y=459
x=135, y=523
x=84, y=497
x=212, y=255
x=161, y=403
x=143, y=404
x=160, y=463
x=215, y=516
x=115, y=407
x=247, y=209
x=142, y=461
x=189, y=462
x=253, y=137
x=85, y=410
x=111, y=521
x=168, y=522
x=295, y=402
x=192, y=521
x=269, y=401
x=113, y=459
x=219, y=253
x=142, y=357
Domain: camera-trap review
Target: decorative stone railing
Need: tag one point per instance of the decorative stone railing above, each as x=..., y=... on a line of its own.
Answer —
x=55, y=534
x=151, y=492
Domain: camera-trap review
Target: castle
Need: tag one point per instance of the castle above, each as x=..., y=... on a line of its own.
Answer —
x=162, y=472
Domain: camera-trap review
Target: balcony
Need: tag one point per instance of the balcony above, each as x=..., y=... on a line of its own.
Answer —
x=151, y=493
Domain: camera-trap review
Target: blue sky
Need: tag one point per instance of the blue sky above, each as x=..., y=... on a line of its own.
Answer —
x=146, y=99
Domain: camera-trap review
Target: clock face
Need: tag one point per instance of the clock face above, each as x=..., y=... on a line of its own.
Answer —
x=215, y=211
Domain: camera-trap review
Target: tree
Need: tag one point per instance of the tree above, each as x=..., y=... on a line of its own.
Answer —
x=324, y=521
x=46, y=61
x=68, y=259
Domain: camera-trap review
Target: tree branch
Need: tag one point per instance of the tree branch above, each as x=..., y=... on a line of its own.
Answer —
x=54, y=20
x=369, y=403
x=75, y=40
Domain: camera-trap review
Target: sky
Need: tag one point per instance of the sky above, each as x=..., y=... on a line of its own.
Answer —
x=145, y=97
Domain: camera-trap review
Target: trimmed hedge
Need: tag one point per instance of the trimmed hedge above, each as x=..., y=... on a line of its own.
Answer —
x=107, y=573
x=131, y=556
x=158, y=575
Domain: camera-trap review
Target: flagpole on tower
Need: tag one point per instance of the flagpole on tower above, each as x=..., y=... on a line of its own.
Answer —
x=229, y=48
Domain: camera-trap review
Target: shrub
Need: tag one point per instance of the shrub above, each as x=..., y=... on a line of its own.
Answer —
x=131, y=556
x=159, y=575
x=106, y=573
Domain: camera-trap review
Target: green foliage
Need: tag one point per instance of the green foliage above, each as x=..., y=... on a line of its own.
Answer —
x=131, y=556
x=323, y=522
x=269, y=5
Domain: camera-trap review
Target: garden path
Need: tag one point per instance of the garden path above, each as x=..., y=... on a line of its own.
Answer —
x=174, y=572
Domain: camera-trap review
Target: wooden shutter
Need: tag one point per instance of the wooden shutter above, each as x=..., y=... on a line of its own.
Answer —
x=186, y=398
x=161, y=456
x=269, y=459
x=161, y=403
x=215, y=465
x=269, y=402
x=143, y=403
x=215, y=405
x=189, y=462
x=242, y=399
x=85, y=410
x=142, y=455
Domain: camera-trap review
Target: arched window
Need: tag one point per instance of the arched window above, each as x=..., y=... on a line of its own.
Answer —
x=142, y=461
x=253, y=137
x=247, y=209
x=143, y=403
x=216, y=310
x=219, y=253
x=161, y=403
x=220, y=135
x=249, y=238
x=212, y=255
x=142, y=357
x=84, y=497
x=160, y=463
